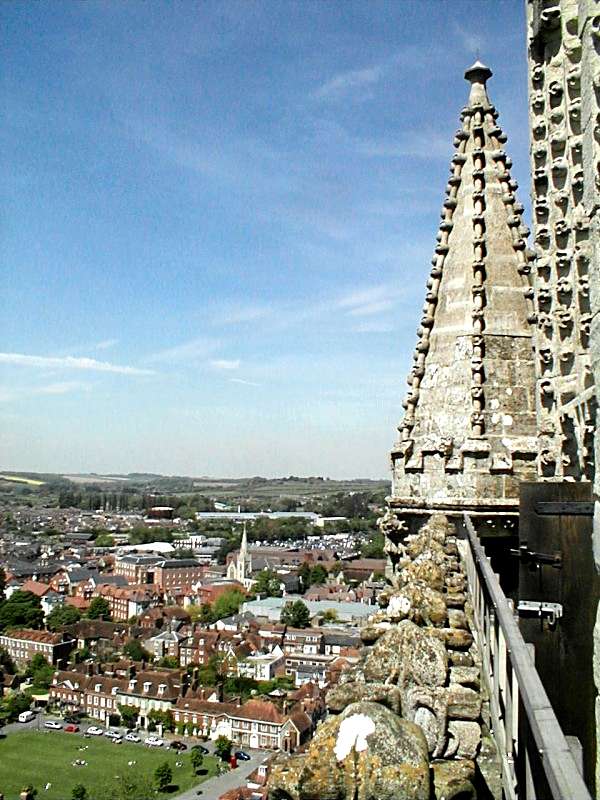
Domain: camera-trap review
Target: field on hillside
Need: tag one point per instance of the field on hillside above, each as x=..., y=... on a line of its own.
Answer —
x=19, y=479
x=41, y=757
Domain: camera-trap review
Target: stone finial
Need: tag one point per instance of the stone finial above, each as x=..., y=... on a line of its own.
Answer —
x=477, y=75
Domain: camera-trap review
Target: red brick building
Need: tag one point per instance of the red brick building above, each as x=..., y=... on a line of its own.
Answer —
x=22, y=645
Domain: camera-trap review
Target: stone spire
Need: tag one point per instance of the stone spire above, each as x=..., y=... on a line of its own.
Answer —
x=468, y=435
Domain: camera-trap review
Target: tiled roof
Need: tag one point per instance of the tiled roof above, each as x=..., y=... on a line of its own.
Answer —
x=29, y=635
x=36, y=588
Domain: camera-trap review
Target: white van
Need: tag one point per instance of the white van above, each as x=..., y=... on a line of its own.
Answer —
x=26, y=716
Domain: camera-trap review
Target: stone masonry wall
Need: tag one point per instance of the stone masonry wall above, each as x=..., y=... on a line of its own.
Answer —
x=564, y=86
x=408, y=722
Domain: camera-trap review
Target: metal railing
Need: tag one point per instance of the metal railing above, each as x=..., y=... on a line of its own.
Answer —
x=536, y=761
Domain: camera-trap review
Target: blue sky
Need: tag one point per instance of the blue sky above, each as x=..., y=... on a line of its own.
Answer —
x=218, y=223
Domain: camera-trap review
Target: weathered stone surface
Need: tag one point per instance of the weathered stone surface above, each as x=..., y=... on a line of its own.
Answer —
x=344, y=694
x=425, y=570
x=284, y=776
x=371, y=632
x=454, y=779
x=469, y=430
x=406, y=654
x=418, y=602
x=463, y=703
x=468, y=737
x=465, y=675
x=459, y=639
x=460, y=658
x=457, y=619
x=364, y=753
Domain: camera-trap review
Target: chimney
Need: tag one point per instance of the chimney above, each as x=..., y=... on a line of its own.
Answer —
x=131, y=671
x=185, y=684
x=195, y=678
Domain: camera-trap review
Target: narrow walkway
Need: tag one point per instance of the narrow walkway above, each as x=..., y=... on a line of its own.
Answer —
x=213, y=788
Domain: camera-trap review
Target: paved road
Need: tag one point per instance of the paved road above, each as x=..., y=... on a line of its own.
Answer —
x=213, y=788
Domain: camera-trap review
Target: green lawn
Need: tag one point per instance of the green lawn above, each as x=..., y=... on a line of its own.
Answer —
x=39, y=757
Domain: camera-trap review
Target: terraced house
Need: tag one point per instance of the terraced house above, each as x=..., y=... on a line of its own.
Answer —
x=22, y=645
x=256, y=723
x=101, y=695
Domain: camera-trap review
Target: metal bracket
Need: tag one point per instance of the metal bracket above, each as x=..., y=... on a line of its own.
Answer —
x=537, y=559
x=553, y=611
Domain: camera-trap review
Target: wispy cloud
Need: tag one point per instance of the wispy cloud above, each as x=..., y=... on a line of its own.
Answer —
x=8, y=394
x=235, y=314
x=371, y=308
x=187, y=352
x=244, y=382
x=106, y=344
x=364, y=302
x=471, y=42
x=225, y=363
x=69, y=362
x=344, y=82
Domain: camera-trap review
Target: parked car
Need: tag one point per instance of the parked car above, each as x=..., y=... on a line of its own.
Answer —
x=71, y=728
x=72, y=718
x=51, y=723
x=154, y=741
x=131, y=737
x=201, y=748
x=26, y=716
x=241, y=756
x=178, y=745
x=112, y=734
x=95, y=731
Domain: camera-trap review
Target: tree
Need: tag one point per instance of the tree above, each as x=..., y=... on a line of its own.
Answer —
x=13, y=705
x=197, y=760
x=135, y=651
x=318, y=575
x=79, y=792
x=129, y=715
x=223, y=748
x=99, y=609
x=2, y=583
x=373, y=547
x=212, y=673
x=330, y=615
x=40, y=671
x=163, y=775
x=295, y=614
x=267, y=584
x=240, y=685
x=6, y=662
x=22, y=609
x=164, y=718
x=168, y=662
x=228, y=603
x=62, y=615
x=304, y=575
x=104, y=539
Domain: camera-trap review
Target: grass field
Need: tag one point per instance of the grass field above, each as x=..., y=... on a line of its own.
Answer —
x=40, y=757
x=17, y=479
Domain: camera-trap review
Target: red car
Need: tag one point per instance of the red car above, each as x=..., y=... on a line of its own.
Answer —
x=71, y=728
